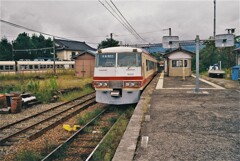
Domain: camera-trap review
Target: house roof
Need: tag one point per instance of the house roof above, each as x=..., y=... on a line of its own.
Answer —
x=72, y=45
x=179, y=49
x=93, y=53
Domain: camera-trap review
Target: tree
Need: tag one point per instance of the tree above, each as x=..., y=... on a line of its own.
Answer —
x=41, y=42
x=5, y=49
x=23, y=41
x=108, y=43
x=210, y=55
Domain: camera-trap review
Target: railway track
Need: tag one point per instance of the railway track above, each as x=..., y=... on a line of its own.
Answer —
x=83, y=143
x=36, y=125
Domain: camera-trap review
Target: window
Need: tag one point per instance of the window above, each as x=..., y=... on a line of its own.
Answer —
x=179, y=63
x=9, y=67
x=150, y=65
x=1, y=67
x=73, y=54
x=106, y=60
x=129, y=59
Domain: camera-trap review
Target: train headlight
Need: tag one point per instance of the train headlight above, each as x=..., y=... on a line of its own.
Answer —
x=105, y=84
x=100, y=84
x=133, y=84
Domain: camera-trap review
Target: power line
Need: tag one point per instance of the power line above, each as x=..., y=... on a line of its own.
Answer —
x=36, y=49
x=127, y=21
x=122, y=20
x=115, y=17
x=33, y=30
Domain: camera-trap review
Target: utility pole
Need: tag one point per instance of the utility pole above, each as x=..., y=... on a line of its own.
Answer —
x=54, y=63
x=170, y=32
x=214, y=21
x=12, y=52
x=197, y=63
x=111, y=35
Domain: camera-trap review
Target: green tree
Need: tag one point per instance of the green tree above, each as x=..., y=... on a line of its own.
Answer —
x=108, y=43
x=5, y=49
x=23, y=41
x=210, y=55
x=41, y=42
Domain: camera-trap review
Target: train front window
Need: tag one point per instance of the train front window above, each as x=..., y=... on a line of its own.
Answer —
x=106, y=60
x=129, y=59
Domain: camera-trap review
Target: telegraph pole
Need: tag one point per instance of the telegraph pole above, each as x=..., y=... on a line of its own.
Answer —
x=214, y=20
x=111, y=35
x=12, y=52
x=170, y=32
x=54, y=63
x=197, y=63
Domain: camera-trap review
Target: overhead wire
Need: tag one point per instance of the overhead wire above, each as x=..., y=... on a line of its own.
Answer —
x=122, y=20
x=115, y=17
x=33, y=30
x=127, y=22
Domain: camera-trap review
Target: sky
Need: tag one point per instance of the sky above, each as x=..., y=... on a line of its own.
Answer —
x=89, y=21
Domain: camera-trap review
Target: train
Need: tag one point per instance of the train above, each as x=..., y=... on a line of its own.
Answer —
x=24, y=66
x=121, y=74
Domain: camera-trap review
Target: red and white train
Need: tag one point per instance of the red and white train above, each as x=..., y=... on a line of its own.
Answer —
x=121, y=73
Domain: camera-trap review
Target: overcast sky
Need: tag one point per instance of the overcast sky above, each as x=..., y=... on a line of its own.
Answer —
x=89, y=21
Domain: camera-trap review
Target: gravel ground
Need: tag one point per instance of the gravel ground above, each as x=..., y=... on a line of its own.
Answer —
x=187, y=126
x=10, y=118
x=52, y=138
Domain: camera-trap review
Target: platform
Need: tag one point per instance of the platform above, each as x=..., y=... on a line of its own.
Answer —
x=180, y=124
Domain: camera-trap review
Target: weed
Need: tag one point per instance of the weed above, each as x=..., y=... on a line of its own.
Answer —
x=104, y=130
x=83, y=119
x=27, y=155
x=48, y=147
x=107, y=149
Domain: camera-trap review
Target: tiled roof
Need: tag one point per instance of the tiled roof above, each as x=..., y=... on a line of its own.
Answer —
x=93, y=53
x=72, y=45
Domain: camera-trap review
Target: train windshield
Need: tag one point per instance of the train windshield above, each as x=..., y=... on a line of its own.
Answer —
x=106, y=60
x=129, y=60
x=124, y=60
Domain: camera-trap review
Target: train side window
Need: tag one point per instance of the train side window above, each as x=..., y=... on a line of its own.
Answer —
x=9, y=67
x=35, y=66
x=150, y=65
x=30, y=66
x=1, y=67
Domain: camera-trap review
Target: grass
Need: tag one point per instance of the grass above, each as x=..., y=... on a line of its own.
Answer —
x=107, y=149
x=83, y=118
x=27, y=155
x=44, y=86
x=75, y=94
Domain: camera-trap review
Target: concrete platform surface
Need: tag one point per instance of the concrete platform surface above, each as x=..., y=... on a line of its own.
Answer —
x=189, y=126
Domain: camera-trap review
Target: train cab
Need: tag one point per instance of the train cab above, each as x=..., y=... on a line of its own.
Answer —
x=119, y=75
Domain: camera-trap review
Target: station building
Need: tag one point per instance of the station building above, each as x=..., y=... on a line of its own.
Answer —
x=178, y=62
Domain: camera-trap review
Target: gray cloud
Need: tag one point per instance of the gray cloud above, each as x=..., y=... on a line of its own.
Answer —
x=78, y=19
